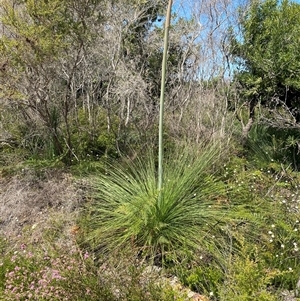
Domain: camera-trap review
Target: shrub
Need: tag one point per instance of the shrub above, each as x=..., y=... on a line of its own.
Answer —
x=60, y=272
x=248, y=277
x=270, y=198
x=34, y=274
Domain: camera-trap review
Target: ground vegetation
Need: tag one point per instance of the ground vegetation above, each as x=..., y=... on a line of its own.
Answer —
x=81, y=214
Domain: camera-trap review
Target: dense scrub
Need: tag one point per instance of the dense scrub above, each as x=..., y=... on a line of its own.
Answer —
x=81, y=214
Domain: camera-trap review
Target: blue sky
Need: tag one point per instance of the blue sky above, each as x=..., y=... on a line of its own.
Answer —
x=222, y=14
x=183, y=7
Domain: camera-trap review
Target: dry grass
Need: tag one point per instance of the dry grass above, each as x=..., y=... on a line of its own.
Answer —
x=34, y=199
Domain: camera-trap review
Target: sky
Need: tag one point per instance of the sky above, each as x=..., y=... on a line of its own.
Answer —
x=213, y=18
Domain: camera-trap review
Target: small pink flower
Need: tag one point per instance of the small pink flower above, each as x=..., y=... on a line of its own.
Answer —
x=13, y=259
x=56, y=275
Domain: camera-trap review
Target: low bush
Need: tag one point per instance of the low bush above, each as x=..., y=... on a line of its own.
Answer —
x=59, y=272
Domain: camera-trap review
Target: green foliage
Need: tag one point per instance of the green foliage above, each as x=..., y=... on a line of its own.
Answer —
x=281, y=246
x=44, y=28
x=267, y=53
x=251, y=231
x=248, y=277
x=274, y=232
x=205, y=278
x=93, y=140
x=261, y=148
x=129, y=214
x=267, y=147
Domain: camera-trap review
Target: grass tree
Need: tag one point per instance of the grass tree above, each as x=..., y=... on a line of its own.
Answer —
x=130, y=212
x=158, y=213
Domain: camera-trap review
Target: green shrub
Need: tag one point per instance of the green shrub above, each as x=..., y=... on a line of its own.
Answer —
x=270, y=201
x=247, y=277
x=205, y=278
x=281, y=248
x=268, y=146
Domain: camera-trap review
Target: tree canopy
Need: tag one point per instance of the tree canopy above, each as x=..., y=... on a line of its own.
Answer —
x=267, y=55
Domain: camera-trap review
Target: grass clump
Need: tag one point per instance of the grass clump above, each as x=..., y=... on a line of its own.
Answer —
x=130, y=212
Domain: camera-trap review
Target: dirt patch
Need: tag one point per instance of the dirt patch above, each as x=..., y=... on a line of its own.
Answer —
x=31, y=197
